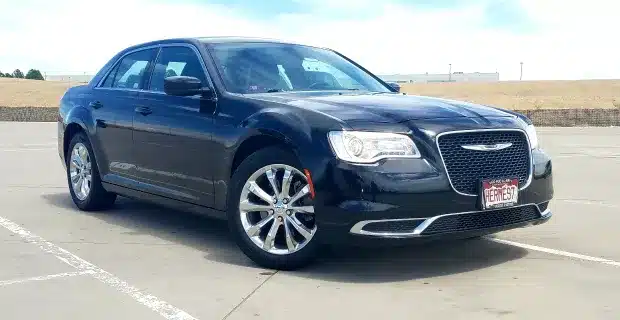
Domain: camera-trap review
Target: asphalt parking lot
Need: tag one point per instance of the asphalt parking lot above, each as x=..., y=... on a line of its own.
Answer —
x=138, y=261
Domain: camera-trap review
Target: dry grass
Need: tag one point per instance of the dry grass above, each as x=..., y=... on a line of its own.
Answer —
x=527, y=94
x=31, y=93
x=511, y=95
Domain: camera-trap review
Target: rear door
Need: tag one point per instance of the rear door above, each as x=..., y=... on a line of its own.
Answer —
x=112, y=106
x=172, y=134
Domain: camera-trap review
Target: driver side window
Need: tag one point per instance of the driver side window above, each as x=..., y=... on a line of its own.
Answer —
x=176, y=61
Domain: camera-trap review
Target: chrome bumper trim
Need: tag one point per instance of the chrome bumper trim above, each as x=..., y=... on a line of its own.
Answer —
x=358, y=227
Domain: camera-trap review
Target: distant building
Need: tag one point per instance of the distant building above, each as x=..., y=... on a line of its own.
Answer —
x=68, y=77
x=398, y=78
x=445, y=77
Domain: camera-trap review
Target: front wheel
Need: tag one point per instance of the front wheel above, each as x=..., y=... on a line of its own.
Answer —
x=83, y=177
x=271, y=214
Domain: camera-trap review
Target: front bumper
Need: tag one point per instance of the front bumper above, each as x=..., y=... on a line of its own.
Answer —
x=409, y=198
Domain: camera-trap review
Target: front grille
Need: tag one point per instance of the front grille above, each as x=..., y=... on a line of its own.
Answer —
x=482, y=220
x=467, y=167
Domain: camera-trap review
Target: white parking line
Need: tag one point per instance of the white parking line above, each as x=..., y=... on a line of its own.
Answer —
x=47, y=277
x=556, y=252
x=23, y=150
x=28, y=145
x=26, y=149
x=163, y=308
x=590, y=202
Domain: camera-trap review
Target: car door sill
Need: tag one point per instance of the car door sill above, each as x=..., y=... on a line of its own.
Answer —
x=164, y=201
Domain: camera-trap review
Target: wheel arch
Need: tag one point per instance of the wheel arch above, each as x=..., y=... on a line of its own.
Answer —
x=263, y=139
x=70, y=131
x=77, y=119
x=273, y=127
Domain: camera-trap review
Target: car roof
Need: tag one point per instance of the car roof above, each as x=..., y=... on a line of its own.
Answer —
x=215, y=40
x=232, y=39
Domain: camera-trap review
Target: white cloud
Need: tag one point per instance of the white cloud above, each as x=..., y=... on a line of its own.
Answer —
x=574, y=39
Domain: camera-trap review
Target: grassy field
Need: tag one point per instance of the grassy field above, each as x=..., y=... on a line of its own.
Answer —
x=518, y=95
x=31, y=93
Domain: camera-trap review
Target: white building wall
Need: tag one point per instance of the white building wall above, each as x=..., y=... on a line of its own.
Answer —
x=430, y=77
x=68, y=77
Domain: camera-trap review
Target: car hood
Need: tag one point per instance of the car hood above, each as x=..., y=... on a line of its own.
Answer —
x=382, y=107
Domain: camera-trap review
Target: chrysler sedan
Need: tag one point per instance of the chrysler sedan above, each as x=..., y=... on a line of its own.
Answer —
x=296, y=146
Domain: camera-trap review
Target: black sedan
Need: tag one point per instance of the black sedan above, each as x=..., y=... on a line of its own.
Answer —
x=296, y=146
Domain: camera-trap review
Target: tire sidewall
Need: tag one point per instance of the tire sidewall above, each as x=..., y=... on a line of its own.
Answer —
x=86, y=203
x=259, y=159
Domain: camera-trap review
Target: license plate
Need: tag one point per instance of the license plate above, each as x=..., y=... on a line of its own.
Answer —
x=499, y=193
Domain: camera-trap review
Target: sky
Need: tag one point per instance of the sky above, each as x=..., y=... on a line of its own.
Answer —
x=555, y=39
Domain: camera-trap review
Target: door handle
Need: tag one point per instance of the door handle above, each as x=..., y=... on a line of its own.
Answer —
x=143, y=110
x=95, y=104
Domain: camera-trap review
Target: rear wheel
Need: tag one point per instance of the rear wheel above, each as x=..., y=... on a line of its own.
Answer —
x=271, y=214
x=83, y=176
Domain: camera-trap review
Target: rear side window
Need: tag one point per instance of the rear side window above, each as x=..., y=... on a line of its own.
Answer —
x=176, y=61
x=131, y=71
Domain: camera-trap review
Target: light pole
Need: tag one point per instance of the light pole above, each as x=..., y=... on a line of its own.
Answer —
x=450, y=73
x=521, y=76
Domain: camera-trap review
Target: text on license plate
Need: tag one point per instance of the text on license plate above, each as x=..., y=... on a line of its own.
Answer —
x=499, y=193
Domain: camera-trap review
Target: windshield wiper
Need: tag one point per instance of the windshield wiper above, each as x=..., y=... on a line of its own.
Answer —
x=274, y=90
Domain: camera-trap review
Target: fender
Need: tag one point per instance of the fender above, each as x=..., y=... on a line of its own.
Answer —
x=281, y=124
x=271, y=125
x=292, y=128
x=82, y=117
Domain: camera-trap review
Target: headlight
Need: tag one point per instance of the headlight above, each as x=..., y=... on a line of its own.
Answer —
x=368, y=147
x=531, y=134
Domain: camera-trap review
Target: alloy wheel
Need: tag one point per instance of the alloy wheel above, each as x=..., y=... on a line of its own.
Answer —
x=276, y=210
x=80, y=171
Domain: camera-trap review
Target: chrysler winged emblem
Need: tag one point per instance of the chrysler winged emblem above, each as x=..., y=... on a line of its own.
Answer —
x=487, y=147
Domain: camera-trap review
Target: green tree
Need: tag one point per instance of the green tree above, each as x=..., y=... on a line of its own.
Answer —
x=1, y=74
x=18, y=74
x=34, y=74
x=8, y=75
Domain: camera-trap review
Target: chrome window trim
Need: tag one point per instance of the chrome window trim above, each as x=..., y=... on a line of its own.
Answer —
x=97, y=86
x=417, y=232
x=529, y=148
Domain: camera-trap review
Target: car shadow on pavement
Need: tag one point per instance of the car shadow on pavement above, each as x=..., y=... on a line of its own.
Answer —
x=336, y=264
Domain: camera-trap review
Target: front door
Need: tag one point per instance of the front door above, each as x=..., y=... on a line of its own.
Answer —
x=172, y=134
x=112, y=106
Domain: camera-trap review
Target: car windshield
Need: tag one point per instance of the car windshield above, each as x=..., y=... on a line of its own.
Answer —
x=275, y=67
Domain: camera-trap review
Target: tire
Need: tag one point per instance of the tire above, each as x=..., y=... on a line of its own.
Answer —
x=97, y=198
x=305, y=244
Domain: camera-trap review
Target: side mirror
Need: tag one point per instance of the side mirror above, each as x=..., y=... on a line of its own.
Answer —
x=184, y=86
x=394, y=86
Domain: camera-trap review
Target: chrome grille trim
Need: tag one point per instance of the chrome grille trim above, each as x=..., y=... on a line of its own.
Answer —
x=529, y=179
